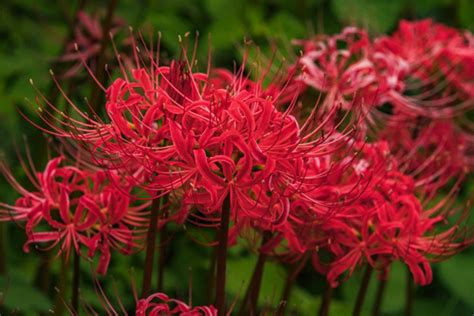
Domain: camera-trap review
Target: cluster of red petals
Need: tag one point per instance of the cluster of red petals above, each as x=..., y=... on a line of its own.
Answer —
x=160, y=304
x=206, y=138
x=411, y=89
x=316, y=185
x=434, y=157
x=424, y=68
x=86, y=43
x=420, y=73
x=72, y=208
x=385, y=222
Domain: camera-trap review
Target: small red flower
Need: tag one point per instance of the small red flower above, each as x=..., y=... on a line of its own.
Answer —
x=160, y=304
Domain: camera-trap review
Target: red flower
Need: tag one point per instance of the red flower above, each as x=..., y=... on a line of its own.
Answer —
x=160, y=304
x=342, y=73
x=85, y=46
x=437, y=81
x=68, y=211
x=388, y=222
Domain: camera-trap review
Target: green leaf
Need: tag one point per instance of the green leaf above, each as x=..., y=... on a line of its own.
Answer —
x=225, y=33
x=221, y=9
x=456, y=274
x=376, y=15
x=466, y=13
x=20, y=295
x=286, y=26
x=170, y=26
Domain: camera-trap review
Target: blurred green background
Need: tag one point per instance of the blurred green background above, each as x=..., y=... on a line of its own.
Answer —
x=32, y=36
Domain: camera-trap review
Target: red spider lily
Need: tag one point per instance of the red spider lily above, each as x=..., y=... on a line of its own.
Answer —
x=437, y=81
x=407, y=82
x=343, y=74
x=423, y=69
x=388, y=222
x=432, y=153
x=171, y=129
x=379, y=219
x=219, y=141
x=86, y=43
x=73, y=207
x=160, y=304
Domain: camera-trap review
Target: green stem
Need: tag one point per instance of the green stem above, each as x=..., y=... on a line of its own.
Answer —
x=362, y=291
x=290, y=280
x=76, y=280
x=250, y=301
x=163, y=237
x=43, y=272
x=410, y=292
x=221, y=258
x=212, y=274
x=101, y=59
x=379, y=297
x=150, y=247
x=325, y=303
x=61, y=288
x=3, y=251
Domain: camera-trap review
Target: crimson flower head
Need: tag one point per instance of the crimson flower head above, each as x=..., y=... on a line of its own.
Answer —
x=73, y=208
x=436, y=80
x=170, y=129
x=338, y=66
x=160, y=304
x=388, y=222
x=433, y=153
x=85, y=45
x=422, y=70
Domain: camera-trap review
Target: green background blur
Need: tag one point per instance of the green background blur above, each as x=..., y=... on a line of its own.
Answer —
x=32, y=34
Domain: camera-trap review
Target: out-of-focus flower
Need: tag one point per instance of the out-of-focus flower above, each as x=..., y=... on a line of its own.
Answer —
x=436, y=81
x=85, y=46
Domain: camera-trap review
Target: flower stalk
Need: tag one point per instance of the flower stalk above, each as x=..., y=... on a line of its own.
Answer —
x=76, y=279
x=250, y=301
x=364, y=285
x=326, y=301
x=409, y=294
x=150, y=247
x=379, y=297
x=295, y=270
x=221, y=258
x=102, y=58
x=59, y=303
x=162, y=249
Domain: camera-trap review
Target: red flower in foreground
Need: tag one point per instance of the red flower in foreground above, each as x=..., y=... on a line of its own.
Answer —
x=204, y=139
x=160, y=304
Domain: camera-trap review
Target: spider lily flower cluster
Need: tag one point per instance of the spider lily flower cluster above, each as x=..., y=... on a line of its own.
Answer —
x=356, y=181
x=73, y=208
x=161, y=304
